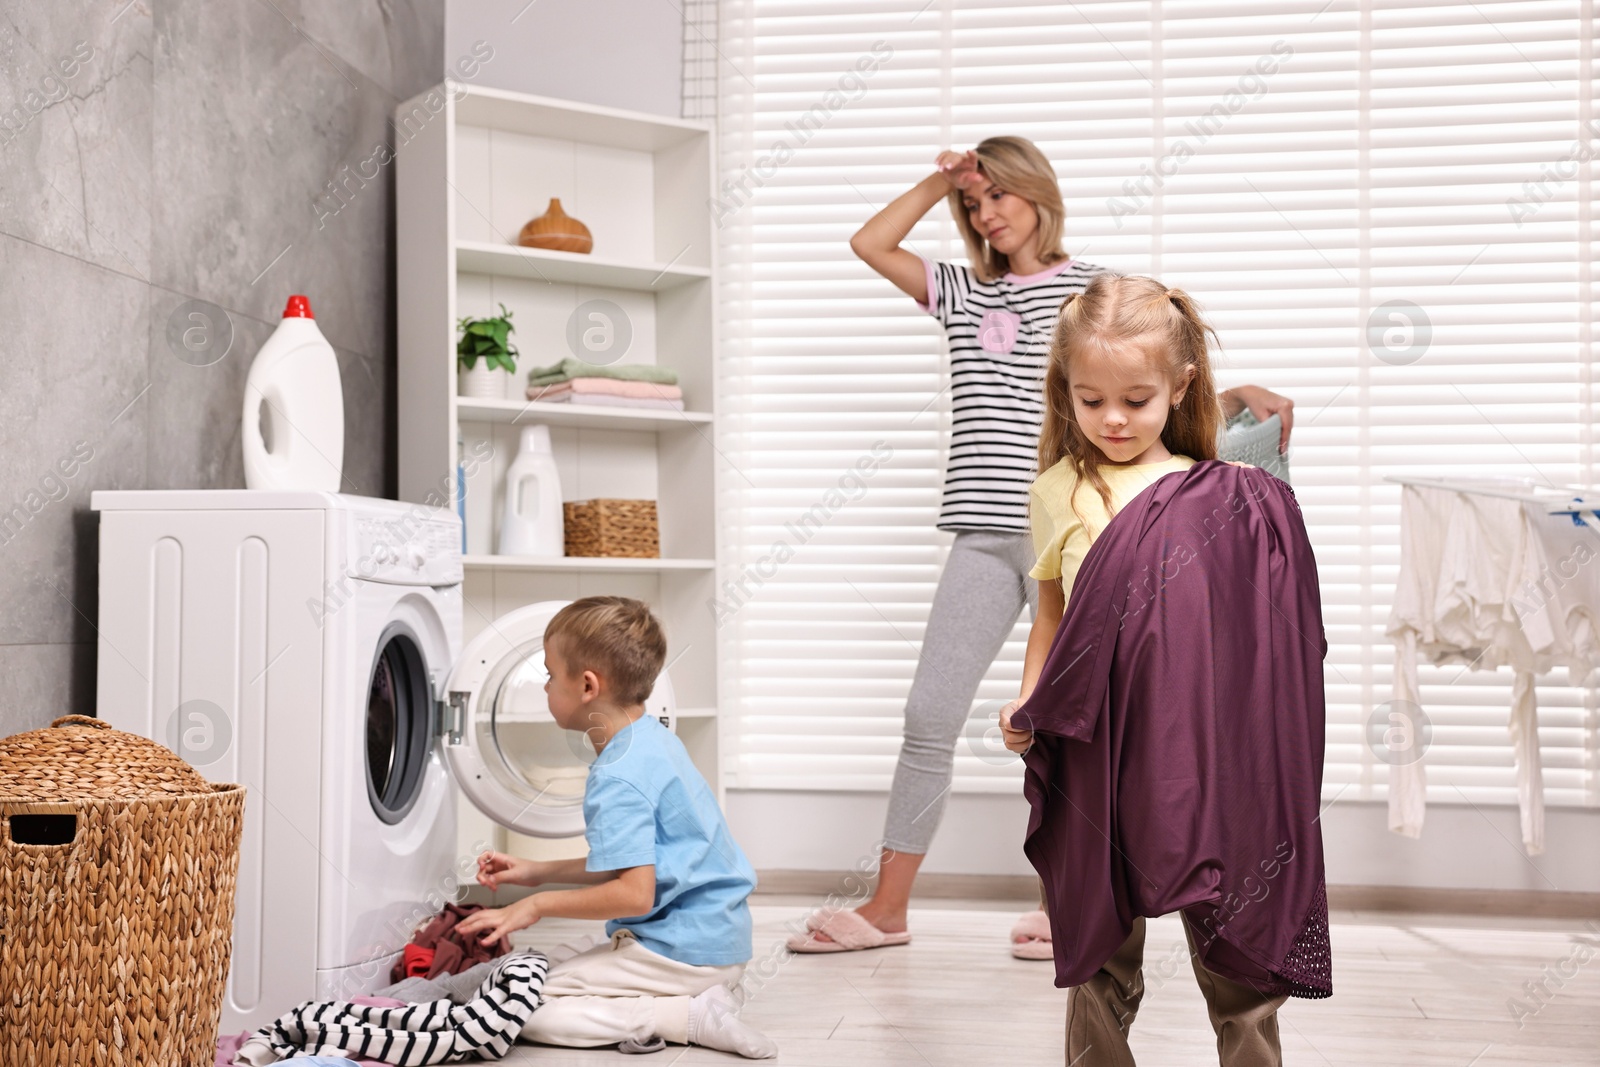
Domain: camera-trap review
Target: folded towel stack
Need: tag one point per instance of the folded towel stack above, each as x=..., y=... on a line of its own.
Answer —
x=613, y=391
x=568, y=369
x=634, y=385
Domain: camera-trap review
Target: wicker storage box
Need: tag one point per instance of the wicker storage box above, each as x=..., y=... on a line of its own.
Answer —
x=612, y=528
x=117, y=869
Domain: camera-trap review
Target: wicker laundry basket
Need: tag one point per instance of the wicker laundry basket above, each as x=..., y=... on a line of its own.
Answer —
x=616, y=528
x=117, y=868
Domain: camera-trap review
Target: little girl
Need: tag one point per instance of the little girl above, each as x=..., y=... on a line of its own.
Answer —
x=1129, y=398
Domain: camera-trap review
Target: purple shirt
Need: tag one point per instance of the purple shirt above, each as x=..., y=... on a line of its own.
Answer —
x=1178, y=719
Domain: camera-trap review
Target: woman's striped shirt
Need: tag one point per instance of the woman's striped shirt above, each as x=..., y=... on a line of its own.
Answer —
x=999, y=338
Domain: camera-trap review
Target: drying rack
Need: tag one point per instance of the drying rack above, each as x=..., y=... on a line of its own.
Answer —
x=1582, y=505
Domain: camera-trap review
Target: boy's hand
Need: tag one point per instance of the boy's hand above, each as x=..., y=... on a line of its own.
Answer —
x=501, y=921
x=1015, y=740
x=496, y=869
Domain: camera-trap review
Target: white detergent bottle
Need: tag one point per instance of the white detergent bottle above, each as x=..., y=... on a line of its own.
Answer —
x=294, y=408
x=532, y=524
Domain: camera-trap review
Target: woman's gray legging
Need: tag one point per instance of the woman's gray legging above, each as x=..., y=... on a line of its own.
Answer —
x=980, y=596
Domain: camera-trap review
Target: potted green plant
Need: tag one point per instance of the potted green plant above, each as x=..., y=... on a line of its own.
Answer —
x=485, y=357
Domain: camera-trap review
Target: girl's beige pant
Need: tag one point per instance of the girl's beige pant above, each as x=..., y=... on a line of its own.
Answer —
x=1100, y=1011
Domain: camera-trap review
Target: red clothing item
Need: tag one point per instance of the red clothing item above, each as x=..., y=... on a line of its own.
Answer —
x=451, y=953
x=1179, y=720
x=417, y=960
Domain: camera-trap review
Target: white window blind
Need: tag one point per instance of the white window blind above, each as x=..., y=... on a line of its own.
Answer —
x=1385, y=209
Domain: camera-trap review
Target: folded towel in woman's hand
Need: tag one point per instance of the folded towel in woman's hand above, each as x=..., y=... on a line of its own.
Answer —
x=580, y=389
x=569, y=369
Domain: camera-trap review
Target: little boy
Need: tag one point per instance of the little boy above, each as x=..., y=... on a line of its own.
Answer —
x=662, y=867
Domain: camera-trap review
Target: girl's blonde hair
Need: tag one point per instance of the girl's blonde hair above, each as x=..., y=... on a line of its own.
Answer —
x=1113, y=314
x=1016, y=165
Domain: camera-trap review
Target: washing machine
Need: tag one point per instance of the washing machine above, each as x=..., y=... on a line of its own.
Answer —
x=309, y=646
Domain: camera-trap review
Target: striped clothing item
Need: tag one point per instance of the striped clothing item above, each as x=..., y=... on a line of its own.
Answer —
x=437, y=1031
x=999, y=338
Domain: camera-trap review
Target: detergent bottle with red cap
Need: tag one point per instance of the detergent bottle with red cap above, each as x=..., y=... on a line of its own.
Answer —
x=294, y=408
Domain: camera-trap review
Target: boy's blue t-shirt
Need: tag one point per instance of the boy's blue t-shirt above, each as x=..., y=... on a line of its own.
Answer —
x=645, y=802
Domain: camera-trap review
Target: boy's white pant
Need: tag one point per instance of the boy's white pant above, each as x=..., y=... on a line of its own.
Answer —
x=617, y=990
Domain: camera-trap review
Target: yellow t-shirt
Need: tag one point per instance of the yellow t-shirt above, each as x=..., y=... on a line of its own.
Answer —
x=1060, y=538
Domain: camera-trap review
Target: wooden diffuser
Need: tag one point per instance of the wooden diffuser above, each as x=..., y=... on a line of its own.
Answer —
x=557, y=230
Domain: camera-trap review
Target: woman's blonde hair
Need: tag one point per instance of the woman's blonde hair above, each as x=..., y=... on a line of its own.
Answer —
x=1113, y=314
x=1016, y=165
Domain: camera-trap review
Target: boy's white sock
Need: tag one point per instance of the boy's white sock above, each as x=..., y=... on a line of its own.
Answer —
x=714, y=1022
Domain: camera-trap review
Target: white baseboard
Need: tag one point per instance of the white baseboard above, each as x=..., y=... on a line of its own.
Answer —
x=1461, y=848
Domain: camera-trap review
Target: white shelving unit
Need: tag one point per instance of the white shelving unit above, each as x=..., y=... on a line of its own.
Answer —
x=468, y=175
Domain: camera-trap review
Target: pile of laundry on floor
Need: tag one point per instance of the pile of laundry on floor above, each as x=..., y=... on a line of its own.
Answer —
x=634, y=385
x=438, y=949
x=450, y=1004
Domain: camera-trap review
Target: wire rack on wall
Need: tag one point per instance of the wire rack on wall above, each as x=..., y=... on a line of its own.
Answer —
x=700, y=59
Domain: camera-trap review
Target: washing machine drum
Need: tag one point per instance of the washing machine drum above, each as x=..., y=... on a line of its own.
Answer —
x=501, y=743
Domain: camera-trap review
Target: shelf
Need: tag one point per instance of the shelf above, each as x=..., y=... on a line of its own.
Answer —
x=542, y=116
x=465, y=185
x=542, y=264
x=562, y=414
x=584, y=563
x=697, y=713
x=514, y=719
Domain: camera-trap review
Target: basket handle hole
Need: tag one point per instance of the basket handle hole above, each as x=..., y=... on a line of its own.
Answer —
x=44, y=829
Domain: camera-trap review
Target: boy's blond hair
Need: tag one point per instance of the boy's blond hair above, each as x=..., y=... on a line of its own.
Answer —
x=614, y=636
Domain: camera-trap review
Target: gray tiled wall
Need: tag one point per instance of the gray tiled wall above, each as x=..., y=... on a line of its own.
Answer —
x=154, y=152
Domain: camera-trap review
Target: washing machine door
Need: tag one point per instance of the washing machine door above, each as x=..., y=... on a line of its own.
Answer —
x=500, y=742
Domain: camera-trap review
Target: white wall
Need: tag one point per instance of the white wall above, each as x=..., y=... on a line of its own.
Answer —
x=619, y=53
x=1461, y=847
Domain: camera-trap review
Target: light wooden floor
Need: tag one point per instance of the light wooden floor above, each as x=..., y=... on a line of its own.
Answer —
x=1415, y=991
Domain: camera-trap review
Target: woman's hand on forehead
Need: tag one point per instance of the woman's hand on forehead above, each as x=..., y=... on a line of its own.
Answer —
x=961, y=169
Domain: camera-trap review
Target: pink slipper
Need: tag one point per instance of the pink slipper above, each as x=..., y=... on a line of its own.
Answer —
x=849, y=933
x=1030, y=937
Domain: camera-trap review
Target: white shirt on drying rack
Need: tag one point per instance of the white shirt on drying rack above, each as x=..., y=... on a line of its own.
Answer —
x=1489, y=580
x=1560, y=605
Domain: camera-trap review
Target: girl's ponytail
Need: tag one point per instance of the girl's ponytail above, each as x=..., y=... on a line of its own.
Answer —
x=1195, y=425
x=1059, y=423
